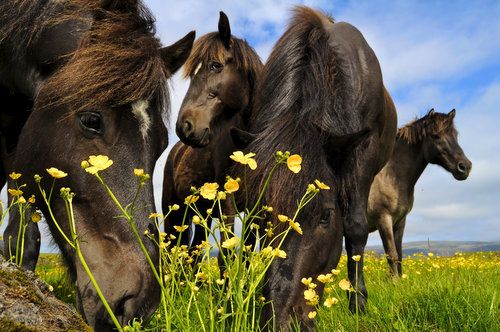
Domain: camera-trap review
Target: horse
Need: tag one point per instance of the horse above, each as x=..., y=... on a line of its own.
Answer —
x=223, y=70
x=87, y=78
x=321, y=95
x=431, y=139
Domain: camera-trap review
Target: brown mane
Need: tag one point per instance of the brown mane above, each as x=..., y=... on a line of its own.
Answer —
x=418, y=129
x=117, y=62
x=209, y=47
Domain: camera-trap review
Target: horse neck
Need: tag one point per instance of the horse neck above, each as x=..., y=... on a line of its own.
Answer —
x=408, y=162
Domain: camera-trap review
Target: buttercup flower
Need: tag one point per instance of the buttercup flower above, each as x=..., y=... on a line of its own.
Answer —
x=312, y=314
x=209, y=190
x=56, y=173
x=138, y=172
x=15, y=192
x=14, y=175
x=231, y=185
x=279, y=253
x=191, y=199
x=196, y=220
x=244, y=159
x=294, y=163
x=36, y=217
x=231, y=243
x=321, y=185
x=335, y=272
x=32, y=199
x=21, y=200
x=282, y=218
x=174, y=207
x=98, y=163
x=306, y=281
x=344, y=284
x=324, y=278
x=295, y=226
x=311, y=296
x=356, y=258
x=181, y=229
x=221, y=195
x=330, y=301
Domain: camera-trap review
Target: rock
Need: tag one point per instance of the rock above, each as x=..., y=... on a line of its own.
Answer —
x=27, y=304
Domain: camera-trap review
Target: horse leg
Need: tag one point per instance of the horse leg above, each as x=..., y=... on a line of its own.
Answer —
x=398, y=234
x=15, y=244
x=356, y=235
x=386, y=234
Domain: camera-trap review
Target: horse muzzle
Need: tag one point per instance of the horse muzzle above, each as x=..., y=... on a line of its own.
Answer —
x=189, y=134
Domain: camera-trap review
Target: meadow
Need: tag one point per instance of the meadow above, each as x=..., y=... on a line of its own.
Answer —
x=457, y=293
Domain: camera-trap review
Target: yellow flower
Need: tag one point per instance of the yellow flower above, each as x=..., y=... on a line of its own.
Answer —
x=312, y=314
x=279, y=253
x=56, y=173
x=335, y=272
x=84, y=164
x=36, y=217
x=220, y=311
x=244, y=159
x=181, y=229
x=296, y=226
x=15, y=192
x=191, y=199
x=209, y=190
x=175, y=207
x=404, y=276
x=221, y=195
x=196, y=220
x=138, y=172
x=321, y=185
x=293, y=162
x=32, y=199
x=430, y=254
x=324, y=278
x=14, y=175
x=309, y=294
x=311, y=187
x=344, y=284
x=282, y=218
x=98, y=163
x=330, y=301
x=153, y=215
x=21, y=200
x=231, y=185
x=231, y=243
x=356, y=258
x=220, y=282
x=306, y=281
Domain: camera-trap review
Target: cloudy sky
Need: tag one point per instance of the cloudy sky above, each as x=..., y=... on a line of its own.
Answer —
x=441, y=54
x=433, y=54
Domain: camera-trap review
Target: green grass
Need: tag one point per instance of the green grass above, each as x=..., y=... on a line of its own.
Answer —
x=459, y=293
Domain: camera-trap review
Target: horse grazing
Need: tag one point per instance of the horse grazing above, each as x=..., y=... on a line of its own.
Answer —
x=431, y=139
x=223, y=70
x=87, y=78
x=320, y=95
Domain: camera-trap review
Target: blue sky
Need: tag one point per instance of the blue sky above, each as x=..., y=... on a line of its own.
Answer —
x=441, y=54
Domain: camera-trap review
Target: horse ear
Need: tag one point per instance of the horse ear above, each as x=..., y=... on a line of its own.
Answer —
x=346, y=142
x=224, y=29
x=431, y=112
x=241, y=138
x=124, y=6
x=452, y=114
x=175, y=55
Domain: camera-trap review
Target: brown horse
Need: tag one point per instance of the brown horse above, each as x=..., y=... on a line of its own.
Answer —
x=223, y=70
x=86, y=78
x=321, y=95
x=431, y=139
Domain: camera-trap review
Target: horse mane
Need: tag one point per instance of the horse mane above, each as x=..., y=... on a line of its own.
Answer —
x=419, y=129
x=302, y=99
x=118, y=60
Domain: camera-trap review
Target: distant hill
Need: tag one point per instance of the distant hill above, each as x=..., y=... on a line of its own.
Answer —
x=442, y=248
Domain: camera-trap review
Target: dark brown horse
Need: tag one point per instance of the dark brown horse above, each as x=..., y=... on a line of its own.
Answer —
x=429, y=140
x=93, y=77
x=223, y=70
x=321, y=95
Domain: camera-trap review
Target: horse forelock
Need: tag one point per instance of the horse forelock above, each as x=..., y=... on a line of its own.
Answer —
x=117, y=63
x=419, y=129
x=209, y=47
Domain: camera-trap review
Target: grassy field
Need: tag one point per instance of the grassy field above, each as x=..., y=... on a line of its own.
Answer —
x=458, y=293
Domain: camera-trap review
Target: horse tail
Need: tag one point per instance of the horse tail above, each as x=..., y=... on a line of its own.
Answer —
x=305, y=74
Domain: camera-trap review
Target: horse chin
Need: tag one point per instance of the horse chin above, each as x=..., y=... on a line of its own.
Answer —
x=460, y=176
x=196, y=142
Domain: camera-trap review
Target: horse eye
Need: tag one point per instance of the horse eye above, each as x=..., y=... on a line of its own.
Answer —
x=325, y=217
x=91, y=122
x=216, y=66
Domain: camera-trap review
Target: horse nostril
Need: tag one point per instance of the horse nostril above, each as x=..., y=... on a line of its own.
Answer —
x=187, y=127
x=461, y=167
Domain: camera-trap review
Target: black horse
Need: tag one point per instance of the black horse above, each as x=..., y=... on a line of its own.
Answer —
x=431, y=139
x=80, y=78
x=223, y=70
x=321, y=95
